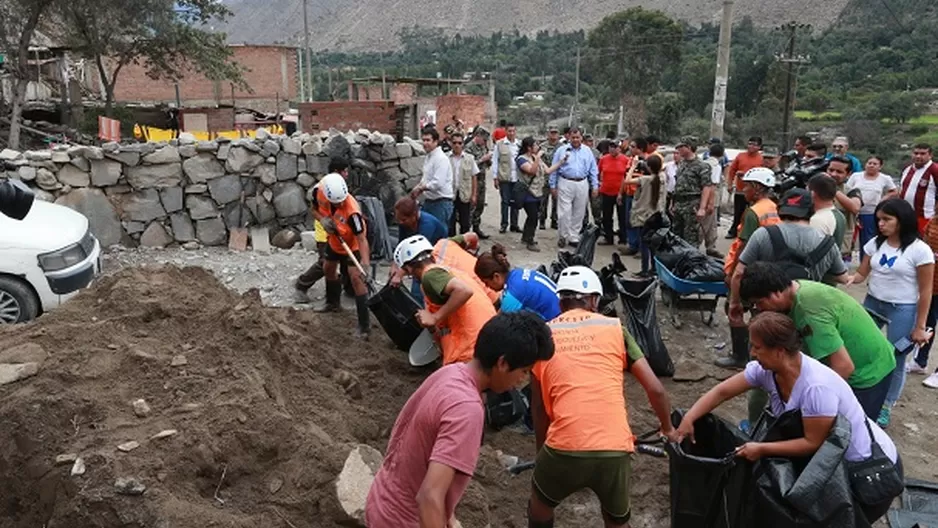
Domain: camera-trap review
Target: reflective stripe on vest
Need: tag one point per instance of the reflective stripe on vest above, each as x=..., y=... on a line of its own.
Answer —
x=341, y=214
x=767, y=213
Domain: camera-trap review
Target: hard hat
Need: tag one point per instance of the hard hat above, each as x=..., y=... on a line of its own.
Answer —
x=334, y=187
x=579, y=279
x=410, y=248
x=761, y=175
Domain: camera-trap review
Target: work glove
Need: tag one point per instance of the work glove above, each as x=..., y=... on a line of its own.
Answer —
x=329, y=226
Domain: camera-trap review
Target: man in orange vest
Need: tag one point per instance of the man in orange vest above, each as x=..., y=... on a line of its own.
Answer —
x=341, y=217
x=457, y=307
x=762, y=211
x=578, y=406
x=454, y=252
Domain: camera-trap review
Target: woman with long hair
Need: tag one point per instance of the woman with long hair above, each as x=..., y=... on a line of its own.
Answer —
x=901, y=268
x=521, y=289
x=796, y=381
x=532, y=173
x=875, y=187
x=650, y=198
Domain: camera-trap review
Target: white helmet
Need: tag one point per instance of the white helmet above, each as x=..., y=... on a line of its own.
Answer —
x=579, y=279
x=334, y=187
x=410, y=248
x=761, y=175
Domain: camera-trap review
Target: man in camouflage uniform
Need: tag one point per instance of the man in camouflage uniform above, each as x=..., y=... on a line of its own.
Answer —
x=596, y=204
x=693, y=193
x=547, y=155
x=479, y=148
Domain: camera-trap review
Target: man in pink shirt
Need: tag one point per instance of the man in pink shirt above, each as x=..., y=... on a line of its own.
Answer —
x=435, y=442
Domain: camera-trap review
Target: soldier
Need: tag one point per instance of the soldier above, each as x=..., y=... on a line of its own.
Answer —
x=479, y=148
x=547, y=154
x=596, y=207
x=693, y=194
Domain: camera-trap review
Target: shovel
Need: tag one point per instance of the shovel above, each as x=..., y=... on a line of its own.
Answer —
x=424, y=350
x=238, y=236
x=372, y=285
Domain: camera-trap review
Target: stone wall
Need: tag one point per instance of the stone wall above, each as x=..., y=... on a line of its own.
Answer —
x=189, y=191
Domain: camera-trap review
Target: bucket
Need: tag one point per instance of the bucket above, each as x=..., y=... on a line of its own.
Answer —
x=396, y=311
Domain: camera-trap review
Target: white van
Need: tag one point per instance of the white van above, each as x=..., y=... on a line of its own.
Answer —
x=44, y=260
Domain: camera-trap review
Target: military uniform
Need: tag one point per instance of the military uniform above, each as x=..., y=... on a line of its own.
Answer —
x=477, y=152
x=547, y=155
x=693, y=176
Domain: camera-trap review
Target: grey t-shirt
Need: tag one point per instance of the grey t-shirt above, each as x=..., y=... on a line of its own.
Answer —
x=800, y=239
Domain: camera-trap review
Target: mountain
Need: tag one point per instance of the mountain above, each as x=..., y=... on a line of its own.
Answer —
x=373, y=25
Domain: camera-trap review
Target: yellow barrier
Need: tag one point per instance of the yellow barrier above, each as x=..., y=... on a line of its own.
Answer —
x=148, y=133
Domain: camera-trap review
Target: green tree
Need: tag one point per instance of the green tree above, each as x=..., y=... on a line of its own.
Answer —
x=664, y=112
x=696, y=82
x=898, y=106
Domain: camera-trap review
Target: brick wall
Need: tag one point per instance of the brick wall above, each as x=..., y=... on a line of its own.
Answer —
x=271, y=72
x=404, y=94
x=217, y=119
x=472, y=109
x=348, y=115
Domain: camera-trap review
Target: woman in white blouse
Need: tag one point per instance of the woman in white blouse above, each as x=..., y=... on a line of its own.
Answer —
x=874, y=187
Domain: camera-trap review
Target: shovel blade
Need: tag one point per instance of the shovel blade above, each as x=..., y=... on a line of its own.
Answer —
x=238, y=239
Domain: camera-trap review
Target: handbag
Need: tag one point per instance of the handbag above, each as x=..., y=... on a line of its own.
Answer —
x=876, y=479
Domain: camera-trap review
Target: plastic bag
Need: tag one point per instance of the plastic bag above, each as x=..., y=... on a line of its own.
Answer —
x=638, y=298
x=697, y=267
x=586, y=249
x=379, y=238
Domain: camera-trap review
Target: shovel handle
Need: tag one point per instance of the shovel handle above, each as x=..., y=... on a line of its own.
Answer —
x=368, y=280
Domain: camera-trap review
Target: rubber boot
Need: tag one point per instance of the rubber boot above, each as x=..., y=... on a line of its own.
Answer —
x=364, y=317
x=333, y=297
x=740, y=355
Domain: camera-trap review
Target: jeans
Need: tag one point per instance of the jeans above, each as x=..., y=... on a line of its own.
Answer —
x=633, y=234
x=461, y=214
x=610, y=204
x=507, y=192
x=645, y=251
x=867, y=230
x=902, y=322
x=739, y=207
x=532, y=207
x=922, y=357
x=442, y=209
x=873, y=398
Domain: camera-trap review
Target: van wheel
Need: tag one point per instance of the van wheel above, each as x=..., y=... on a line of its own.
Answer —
x=18, y=303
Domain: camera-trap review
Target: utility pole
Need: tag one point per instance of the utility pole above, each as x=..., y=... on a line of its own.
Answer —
x=576, y=96
x=791, y=60
x=309, y=55
x=723, y=71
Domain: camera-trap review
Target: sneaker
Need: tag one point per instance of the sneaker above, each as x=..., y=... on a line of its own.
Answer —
x=502, y=230
x=884, y=416
x=914, y=368
x=533, y=247
x=931, y=381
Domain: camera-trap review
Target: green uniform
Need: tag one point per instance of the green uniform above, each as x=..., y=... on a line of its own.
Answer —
x=477, y=152
x=547, y=155
x=693, y=176
x=845, y=240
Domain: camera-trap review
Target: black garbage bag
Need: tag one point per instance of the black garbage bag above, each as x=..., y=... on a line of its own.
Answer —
x=608, y=277
x=809, y=492
x=586, y=249
x=378, y=234
x=638, y=298
x=709, y=484
x=698, y=267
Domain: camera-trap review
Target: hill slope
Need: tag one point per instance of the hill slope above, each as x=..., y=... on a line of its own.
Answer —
x=373, y=25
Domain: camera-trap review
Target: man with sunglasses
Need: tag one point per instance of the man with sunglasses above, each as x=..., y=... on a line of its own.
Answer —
x=840, y=146
x=465, y=182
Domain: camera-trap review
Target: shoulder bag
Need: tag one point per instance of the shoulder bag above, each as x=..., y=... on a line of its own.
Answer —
x=876, y=479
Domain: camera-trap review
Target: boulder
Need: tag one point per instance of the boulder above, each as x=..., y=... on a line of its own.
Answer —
x=404, y=150
x=81, y=163
x=290, y=146
x=172, y=199
x=132, y=228
x=167, y=154
x=313, y=147
x=225, y=189
x=149, y=176
x=24, y=353
x=270, y=148
x=206, y=146
x=143, y=206
x=249, y=185
x=241, y=160
x=44, y=196
x=285, y=239
x=46, y=180
x=211, y=232
x=266, y=173
x=237, y=215
x=202, y=167
x=338, y=147
x=186, y=139
x=289, y=199
x=10, y=373
x=122, y=188
x=61, y=157
x=417, y=146
x=91, y=153
x=26, y=173
x=200, y=207
x=286, y=167
x=38, y=155
x=389, y=151
x=72, y=175
x=9, y=154
x=223, y=151
x=199, y=188
x=413, y=166
x=301, y=164
x=105, y=172
x=354, y=482
x=365, y=165
x=103, y=221
x=187, y=151
x=262, y=210
x=155, y=235
x=305, y=180
x=183, y=230
x=317, y=164
x=131, y=159
x=261, y=134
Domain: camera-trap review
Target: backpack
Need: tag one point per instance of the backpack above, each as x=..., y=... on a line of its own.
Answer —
x=502, y=410
x=797, y=266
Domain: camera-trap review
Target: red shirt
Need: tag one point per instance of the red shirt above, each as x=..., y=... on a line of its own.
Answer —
x=441, y=422
x=612, y=171
x=499, y=134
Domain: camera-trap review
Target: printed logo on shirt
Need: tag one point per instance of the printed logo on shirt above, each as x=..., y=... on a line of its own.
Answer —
x=923, y=183
x=888, y=262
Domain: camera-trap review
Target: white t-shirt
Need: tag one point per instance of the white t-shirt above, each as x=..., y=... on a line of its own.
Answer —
x=894, y=273
x=824, y=221
x=716, y=171
x=871, y=190
x=670, y=170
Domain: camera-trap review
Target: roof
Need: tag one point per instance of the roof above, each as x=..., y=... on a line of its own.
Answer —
x=413, y=80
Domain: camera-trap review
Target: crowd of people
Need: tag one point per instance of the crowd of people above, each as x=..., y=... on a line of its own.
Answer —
x=809, y=346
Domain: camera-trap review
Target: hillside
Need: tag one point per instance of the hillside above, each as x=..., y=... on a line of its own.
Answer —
x=372, y=26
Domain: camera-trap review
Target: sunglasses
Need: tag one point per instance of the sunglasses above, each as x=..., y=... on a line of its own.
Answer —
x=456, y=142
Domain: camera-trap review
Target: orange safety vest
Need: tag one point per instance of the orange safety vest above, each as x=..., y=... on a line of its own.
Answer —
x=767, y=213
x=461, y=329
x=341, y=214
x=452, y=255
x=582, y=385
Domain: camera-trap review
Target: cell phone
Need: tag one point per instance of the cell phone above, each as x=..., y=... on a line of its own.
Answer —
x=903, y=345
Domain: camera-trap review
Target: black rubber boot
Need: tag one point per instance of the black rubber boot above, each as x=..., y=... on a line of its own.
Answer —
x=333, y=297
x=740, y=353
x=364, y=316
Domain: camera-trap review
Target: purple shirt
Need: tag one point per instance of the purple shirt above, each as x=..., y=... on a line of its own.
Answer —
x=821, y=392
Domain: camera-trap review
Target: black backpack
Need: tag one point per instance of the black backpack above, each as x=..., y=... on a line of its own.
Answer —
x=797, y=266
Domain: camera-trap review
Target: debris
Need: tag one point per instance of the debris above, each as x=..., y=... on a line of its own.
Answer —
x=164, y=434
x=720, y=346
x=141, y=409
x=68, y=458
x=275, y=484
x=506, y=460
x=350, y=383
x=179, y=360
x=129, y=486
x=260, y=239
x=688, y=371
x=285, y=239
x=911, y=427
x=127, y=447
x=78, y=468
x=10, y=373
x=353, y=483
x=222, y=479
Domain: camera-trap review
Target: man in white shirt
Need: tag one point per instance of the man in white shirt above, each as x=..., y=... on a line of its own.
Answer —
x=710, y=222
x=437, y=183
x=823, y=190
x=505, y=175
x=670, y=172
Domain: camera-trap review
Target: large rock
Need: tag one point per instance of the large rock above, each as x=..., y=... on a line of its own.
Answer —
x=167, y=154
x=207, y=146
x=305, y=180
x=9, y=154
x=81, y=163
x=413, y=166
x=338, y=147
x=223, y=151
x=60, y=156
x=313, y=147
x=131, y=159
x=211, y=232
x=186, y=138
x=149, y=176
x=267, y=173
x=225, y=189
x=183, y=230
x=317, y=164
x=172, y=199
x=270, y=148
x=26, y=173
x=289, y=199
x=46, y=180
x=200, y=207
x=203, y=167
x=285, y=239
x=24, y=353
x=417, y=146
x=241, y=160
x=72, y=175
x=155, y=235
x=105, y=172
x=286, y=167
x=389, y=151
x=404, y=150
x=187, y=151
x=237, y=215
x=354, y=482
x=262, y=210
x=143, y=206
x=366, y=165
x=290, y=146
x=102, y=217
x=91, y=153
x=391, y=175
x=10, y=373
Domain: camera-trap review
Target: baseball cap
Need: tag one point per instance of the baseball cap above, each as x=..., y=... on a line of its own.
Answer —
x=688, y=141
x=769, y=151
x=553, y=128
x=797, y=203
x=480, y=130
x=715, y=140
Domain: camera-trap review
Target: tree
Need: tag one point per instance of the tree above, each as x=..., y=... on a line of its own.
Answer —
x=664, y=114
x=898, y=106
x=166, y=37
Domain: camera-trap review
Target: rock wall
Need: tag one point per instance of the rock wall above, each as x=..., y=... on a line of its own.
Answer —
x=188, y=191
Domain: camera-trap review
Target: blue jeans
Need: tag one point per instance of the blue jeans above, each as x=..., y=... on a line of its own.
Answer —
x=442, y=209
x=632, y=234
x=867, y=230
x=922, y=357
x=507, y=191
x=902, y=322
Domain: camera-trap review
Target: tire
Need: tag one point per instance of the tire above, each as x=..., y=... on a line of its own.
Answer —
x=18, y=303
